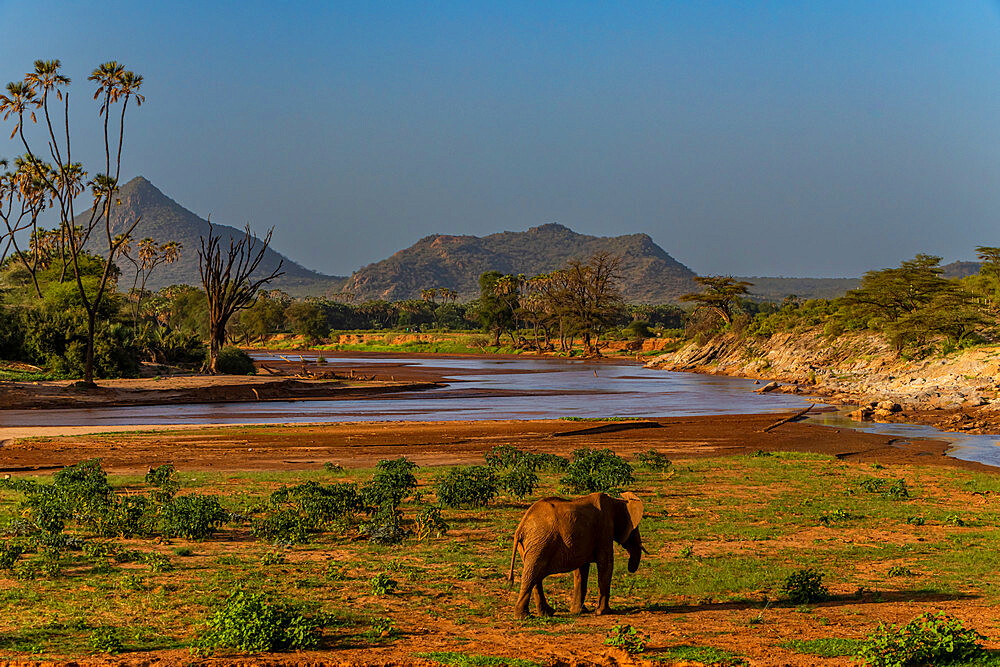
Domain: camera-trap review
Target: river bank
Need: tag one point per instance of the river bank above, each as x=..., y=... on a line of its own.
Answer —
x=959, y=392
x=310, y=446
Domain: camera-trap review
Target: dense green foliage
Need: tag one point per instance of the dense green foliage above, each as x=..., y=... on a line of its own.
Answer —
x=472, y=486
x=597, y=470
x=255, y=622
x=929, y=639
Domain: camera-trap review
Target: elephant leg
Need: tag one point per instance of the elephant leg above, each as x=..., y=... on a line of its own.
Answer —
x=531, y=577
x=540, y=602
x=605, y=568
x=579, y=588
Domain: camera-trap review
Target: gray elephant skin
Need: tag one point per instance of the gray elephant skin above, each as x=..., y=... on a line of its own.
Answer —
x=557, y=535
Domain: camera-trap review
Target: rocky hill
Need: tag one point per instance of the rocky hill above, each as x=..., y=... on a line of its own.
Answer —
x=650, y=275
x=163, y=219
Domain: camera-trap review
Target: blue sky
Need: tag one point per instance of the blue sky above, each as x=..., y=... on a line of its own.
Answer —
x=770, y=138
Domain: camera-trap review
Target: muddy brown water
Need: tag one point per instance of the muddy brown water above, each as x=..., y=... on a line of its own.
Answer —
x=500, y=388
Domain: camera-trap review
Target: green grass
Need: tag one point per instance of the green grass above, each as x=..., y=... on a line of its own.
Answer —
x=705, y=654
x=826, y=647
x=749, y=522
x=455, y=659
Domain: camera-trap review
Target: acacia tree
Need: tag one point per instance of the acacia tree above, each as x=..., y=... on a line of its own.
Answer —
x=65, y=180
x=721, y=294
x=587, y=295
x=228, y=278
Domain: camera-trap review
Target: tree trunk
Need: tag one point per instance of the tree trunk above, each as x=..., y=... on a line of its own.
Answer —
x=88, y=368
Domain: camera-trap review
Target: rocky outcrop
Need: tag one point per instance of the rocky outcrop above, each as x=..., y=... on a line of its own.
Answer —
x=854, y=369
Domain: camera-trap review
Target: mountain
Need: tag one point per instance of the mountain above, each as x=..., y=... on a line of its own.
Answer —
x=650, y=274
x=163, y=219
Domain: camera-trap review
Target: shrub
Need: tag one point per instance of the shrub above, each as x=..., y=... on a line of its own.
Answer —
x=473, y=486
x=234, y=361
x=164, y=479
x=157, y=563
x=281, y=525
x=597, y=470
x=429, y=521
x=391, y=482
x=382, y=627
x=519, y=481
x=106, y=640
x=805, y=586
x=192, y=517
x=123, y=516
x=317, y=504
x=653, y=460
x=9, y=553
x=627, y=638
x=272, y=558
x=931, y=638
x=84, y=488
x=254, y=622
x=382, y=584
x=896, y=490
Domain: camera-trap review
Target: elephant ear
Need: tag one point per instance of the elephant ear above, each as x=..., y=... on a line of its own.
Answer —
x=633, y=505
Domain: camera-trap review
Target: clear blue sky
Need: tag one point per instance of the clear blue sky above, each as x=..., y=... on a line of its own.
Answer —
x=771, y=138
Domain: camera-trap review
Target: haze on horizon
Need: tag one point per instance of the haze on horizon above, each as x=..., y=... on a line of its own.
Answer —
x=778, y=138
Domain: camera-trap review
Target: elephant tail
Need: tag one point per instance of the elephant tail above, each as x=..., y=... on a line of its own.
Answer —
x=513, y=556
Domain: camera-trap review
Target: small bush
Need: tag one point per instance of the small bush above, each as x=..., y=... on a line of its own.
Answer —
x=805, y=586
x=282, y=525
x=929, y=639
x=900, y=571
x=318, y=505
x=916, y=520
x=382, y=584
x=430, y=522
x=234, y=361
x=653, y=460
x=272, y=558
x=473, y=486
x=519, y=481
x=9, y=553
x=597, y=470
x=254, y=622
x=106, y=640
x=157, y=562
x=192, y=517
x=164, y=479
x=383, y=628
x=392, y=481
x=896, y=490
x=627, y=638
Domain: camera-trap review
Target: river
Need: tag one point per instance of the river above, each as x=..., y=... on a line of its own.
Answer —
x=494, y=388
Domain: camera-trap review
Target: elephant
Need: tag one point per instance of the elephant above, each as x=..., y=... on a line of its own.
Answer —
x=558, y=535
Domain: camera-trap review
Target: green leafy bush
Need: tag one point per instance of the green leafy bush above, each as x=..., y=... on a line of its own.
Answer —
x=896, y=490
x=318, y=504
x=653, y=460
x=122, y=516
x=519, y=481
x=392, y=481
x=929, y=639
x=106, y=640
x=164, y=480
x=382, y=584
x=234, y=361
x=430, y=522
x=805, y=586
x=157, y=563
x=283, y=525
x=9, y=553
x=597, y=470
x=193, y=517
x=472, y=486
x=254, y=622
x=627, y=638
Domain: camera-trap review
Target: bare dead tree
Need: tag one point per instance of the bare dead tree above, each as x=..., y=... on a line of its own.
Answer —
x=229, y=282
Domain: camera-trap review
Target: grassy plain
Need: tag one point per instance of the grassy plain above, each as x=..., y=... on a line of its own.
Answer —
x=723, y=533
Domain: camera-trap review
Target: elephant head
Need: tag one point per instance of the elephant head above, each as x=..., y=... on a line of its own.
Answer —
x=628, y=513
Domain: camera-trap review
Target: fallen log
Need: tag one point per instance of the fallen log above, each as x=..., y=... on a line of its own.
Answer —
x=787, y=419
